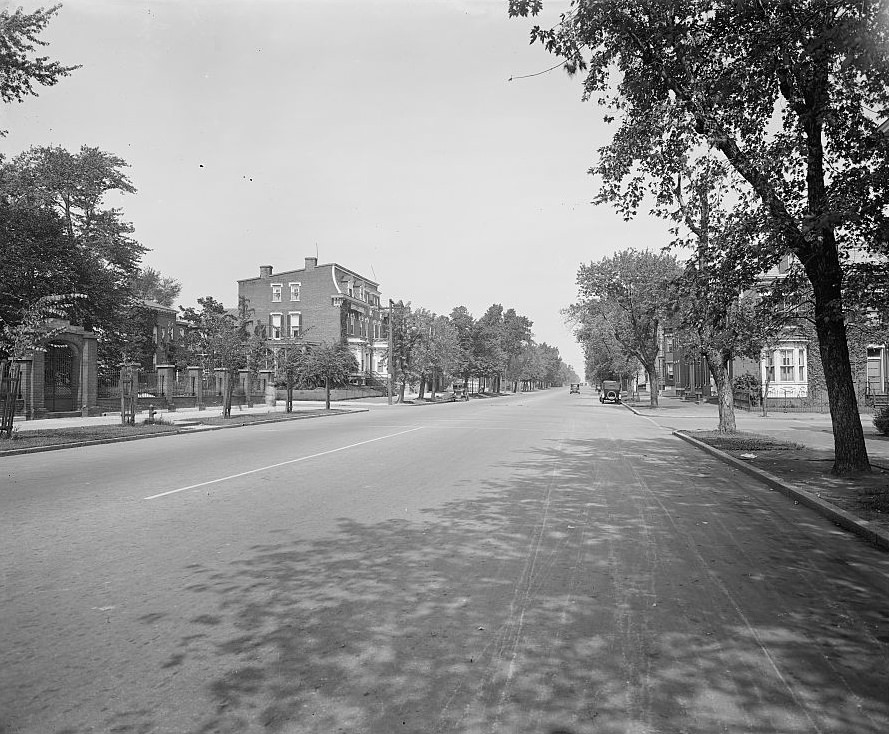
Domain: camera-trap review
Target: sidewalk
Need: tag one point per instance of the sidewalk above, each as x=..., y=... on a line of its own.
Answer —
x=810, y=429
x=185, y=415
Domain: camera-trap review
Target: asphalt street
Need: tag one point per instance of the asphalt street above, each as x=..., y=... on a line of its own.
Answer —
x=535, y=563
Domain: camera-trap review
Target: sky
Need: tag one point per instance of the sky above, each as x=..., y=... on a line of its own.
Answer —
x=384, y=135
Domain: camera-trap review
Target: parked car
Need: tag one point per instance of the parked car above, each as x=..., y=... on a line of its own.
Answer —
x=460, y=392
x=610, y=392
x=575, y=388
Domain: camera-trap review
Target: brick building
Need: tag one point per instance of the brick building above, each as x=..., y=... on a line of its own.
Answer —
x=320, y=303
x=167, y=331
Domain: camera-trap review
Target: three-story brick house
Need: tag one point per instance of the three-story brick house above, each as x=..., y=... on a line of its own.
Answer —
x=320, y=303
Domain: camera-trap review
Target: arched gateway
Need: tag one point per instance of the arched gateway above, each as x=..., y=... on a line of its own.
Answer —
x=60, y=377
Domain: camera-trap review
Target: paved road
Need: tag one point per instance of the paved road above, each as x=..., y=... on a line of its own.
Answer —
x=539, y=564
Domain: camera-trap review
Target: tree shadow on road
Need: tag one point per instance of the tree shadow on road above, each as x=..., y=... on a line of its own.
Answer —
x=641, y=592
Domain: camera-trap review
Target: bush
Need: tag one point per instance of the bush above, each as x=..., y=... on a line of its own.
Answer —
x=747, y=383
x=881, y=420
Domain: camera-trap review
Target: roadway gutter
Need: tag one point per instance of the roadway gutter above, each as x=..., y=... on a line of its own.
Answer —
x=845, y=520
x=833, y=513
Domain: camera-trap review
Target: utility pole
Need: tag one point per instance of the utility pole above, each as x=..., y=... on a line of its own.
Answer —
x=391, y=359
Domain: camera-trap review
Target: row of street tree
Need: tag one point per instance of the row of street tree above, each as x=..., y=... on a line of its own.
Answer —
x=497, y=350
x=630, y=300
x=756, y=128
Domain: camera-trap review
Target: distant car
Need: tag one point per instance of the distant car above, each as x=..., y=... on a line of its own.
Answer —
x=575, y=388
x=610, y=392
x=460, y=392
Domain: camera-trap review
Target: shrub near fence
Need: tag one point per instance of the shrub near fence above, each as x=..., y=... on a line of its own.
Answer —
x=816, y=402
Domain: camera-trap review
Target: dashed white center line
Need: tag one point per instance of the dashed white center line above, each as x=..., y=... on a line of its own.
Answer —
x=280, y=463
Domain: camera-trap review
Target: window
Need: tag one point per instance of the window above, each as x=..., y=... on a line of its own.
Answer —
x=802, y=365
x=275, y=325
x=376, y=329
x=351, y=288
x=787, y=365
x=276, y=292
x=294, y=291
x=770, y=366
x=295, y=323
x=668, y=345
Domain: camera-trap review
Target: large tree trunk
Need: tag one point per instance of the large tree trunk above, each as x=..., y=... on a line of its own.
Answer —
x=651, y=371
x=422, y=392
x=825, y=273
x=326, y=392
x=850, y=451
x=717, y=364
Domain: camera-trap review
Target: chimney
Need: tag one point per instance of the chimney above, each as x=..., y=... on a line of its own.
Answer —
x=265, y=271
x=311, y=263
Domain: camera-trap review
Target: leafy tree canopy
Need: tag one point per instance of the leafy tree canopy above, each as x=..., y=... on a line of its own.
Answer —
x=789, y=94
x=149, y=284
x=21, y=65
x=97, y=251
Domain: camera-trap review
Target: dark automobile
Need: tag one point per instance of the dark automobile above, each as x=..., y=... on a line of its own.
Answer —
x=575, y=388
x=610, y=392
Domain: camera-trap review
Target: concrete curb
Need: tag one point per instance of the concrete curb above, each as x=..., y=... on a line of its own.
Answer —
x=833, y=513
x=160, y=434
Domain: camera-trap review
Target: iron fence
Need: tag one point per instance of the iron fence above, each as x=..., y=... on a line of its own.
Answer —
x=815, y=402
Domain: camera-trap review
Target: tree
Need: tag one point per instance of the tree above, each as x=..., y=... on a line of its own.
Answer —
x=36, y=325
x=20, y=67
x=487, y=345
x=406, y=336
x=93, y=249
x=716, y=307
x=516, y=336
x=631, y=292
x=463, y=324
x=782, y=92
x=218, y=339
x=331, y=364
x=435, y=351
x=150, y=285
x=604, y=356
x=293, y=370
x=34, y=258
